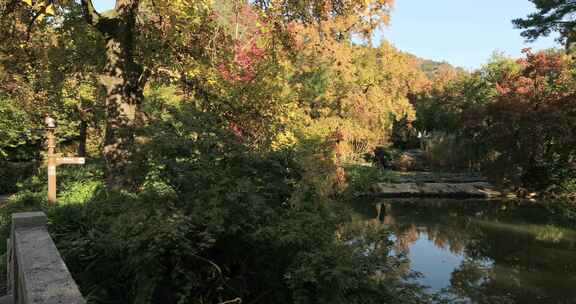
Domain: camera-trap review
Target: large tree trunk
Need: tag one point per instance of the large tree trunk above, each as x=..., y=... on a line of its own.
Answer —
x=123, y=80
x=123, y=95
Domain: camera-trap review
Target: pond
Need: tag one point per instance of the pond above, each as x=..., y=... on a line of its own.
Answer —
x=480, y=252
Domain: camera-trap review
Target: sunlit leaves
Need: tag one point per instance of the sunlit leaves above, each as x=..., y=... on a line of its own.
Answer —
x=358, y=89
x=365, y=15
x=41, y=8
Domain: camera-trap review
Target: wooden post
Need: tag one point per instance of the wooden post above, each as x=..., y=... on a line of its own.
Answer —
x=51, y=165
x=54, y=160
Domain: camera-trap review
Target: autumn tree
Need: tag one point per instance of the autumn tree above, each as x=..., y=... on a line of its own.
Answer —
x=527, y=126
x=141, y=42
x=40, y=74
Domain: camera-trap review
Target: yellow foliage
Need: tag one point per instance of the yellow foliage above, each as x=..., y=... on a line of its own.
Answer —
x=356, y=89
x=50, y=10
x=284, y=140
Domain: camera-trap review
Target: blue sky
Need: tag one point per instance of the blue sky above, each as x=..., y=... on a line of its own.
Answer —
x=102, y=5
x=462, y=32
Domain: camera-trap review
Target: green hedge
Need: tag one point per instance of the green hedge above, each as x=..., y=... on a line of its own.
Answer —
x=11, y=173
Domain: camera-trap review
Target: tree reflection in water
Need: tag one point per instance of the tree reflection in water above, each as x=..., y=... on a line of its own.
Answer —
x=511, y=252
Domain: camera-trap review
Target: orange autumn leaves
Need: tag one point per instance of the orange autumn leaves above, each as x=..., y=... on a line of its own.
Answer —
x=540, y=73
x=530, y=125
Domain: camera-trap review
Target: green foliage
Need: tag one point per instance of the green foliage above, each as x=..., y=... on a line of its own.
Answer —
x=13, y=174
x=432, y=68
x=440, y=106
x=12, y=126
x=248, y=113
x=47, y=65
x=214, y=221
x=231, y=234
x=551, y=16
x=448, y=151
x=360, y=179
x=562, y=212
x=404, y=135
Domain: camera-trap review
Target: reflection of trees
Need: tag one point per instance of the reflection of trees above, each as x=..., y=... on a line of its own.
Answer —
x=374, y=243
x=472, y=280
x=524, y=268
x=507, y=259
x=495, y=283
x=446, y=230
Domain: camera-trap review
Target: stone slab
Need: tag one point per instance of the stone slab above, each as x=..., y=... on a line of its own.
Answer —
x=28, y=219
x=437, y=190
x=8, y=299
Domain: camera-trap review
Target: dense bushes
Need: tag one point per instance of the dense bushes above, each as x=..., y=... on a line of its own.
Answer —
x=209, y=238
x=215, y=221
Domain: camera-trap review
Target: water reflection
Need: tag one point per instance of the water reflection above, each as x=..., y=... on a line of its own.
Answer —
x=481, y=252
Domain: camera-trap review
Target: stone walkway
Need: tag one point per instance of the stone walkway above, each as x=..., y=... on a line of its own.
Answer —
x=433, y=177
x=434, y=185
x=481, y=190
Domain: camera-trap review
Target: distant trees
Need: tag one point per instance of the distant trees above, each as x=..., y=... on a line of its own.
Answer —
x=518, y=115
x=528, y=126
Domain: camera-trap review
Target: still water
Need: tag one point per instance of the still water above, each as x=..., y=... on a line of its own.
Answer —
x=481, y=252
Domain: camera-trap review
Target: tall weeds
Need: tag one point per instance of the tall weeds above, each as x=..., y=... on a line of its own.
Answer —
x=444, y=151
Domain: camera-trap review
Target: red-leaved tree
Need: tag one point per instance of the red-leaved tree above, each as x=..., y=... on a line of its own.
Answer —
x=529, y=128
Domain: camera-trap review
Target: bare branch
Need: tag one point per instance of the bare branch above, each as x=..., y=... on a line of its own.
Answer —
x=146, y=73
x=31, y=25
x=92, y=16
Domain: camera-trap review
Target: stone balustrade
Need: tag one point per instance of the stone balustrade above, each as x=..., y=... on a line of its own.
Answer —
x=36, y=272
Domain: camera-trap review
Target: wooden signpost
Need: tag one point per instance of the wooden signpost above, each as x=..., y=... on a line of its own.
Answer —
x=54, y=160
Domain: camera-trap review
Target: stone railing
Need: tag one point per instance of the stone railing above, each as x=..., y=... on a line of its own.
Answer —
x=36, y=272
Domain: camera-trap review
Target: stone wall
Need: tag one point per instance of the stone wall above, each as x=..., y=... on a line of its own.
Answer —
x=36, y=272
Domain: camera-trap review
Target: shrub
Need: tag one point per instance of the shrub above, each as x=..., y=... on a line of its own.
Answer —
x=208, y=231
x=12, y=173
x=224, y=236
